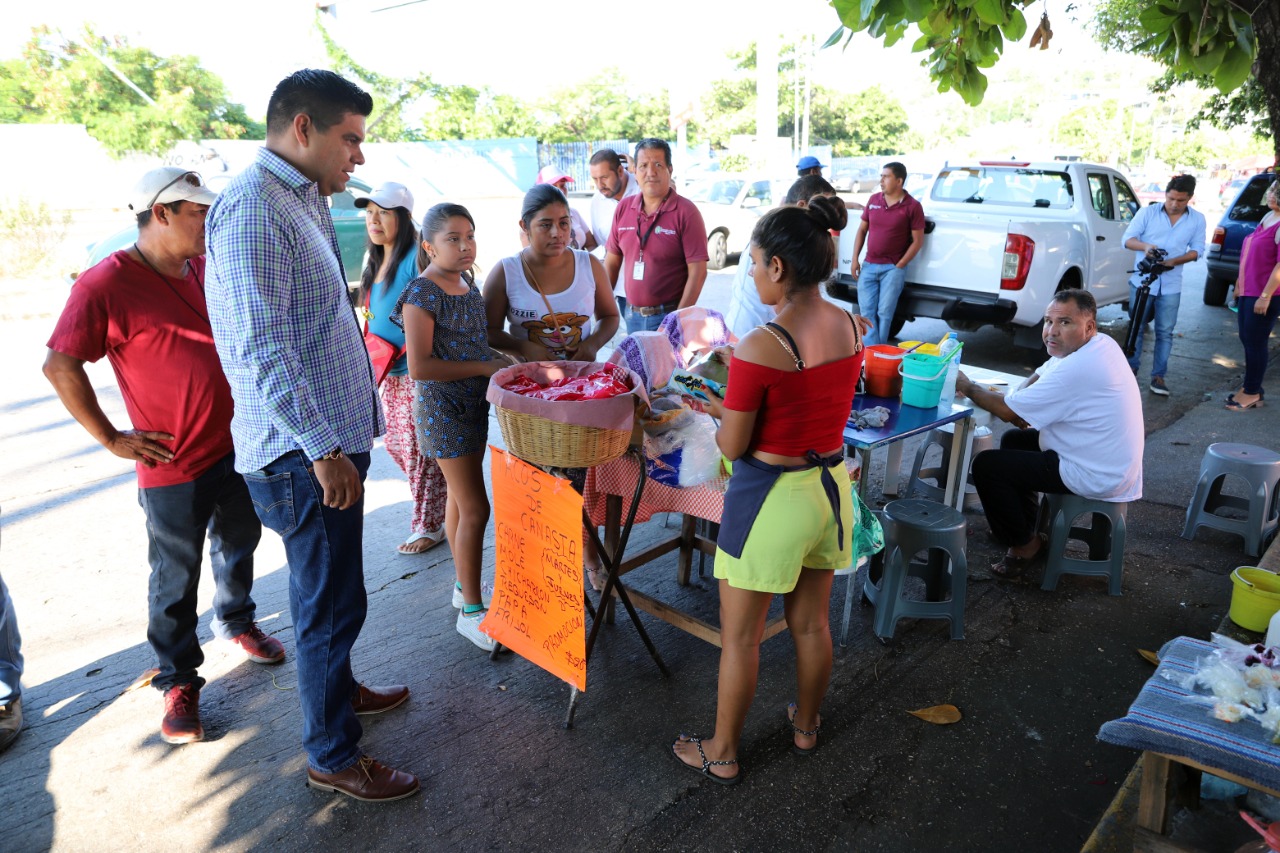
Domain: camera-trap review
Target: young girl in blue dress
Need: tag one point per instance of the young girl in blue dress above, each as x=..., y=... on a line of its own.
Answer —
x=443, y=317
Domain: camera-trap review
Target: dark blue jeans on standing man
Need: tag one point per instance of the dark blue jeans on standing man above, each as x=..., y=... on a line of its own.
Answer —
x=177, y=518
x=324, y=547
x=1255, y=330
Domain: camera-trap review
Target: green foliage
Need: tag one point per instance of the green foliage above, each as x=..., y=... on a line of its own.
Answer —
x=30, y=235
x=1103, y=132
x=736, y=163
x=605, y=106
x=68, y=83
x=1214, y=38
x=959, y=37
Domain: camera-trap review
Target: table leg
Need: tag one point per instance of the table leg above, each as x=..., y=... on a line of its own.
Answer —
x=684, y=562
x=864, y=475
x=892, y=470
x=958, y=469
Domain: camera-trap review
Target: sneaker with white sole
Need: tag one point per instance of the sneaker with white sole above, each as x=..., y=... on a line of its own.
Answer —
x=469, y=627
x=1158, y=387
x=486, y=595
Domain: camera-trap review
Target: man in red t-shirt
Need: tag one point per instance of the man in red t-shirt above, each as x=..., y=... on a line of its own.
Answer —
x=144, y=309
x=893, y=228
x=658, y=243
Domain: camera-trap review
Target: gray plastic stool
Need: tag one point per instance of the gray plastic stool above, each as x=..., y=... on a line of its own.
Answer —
x=912, y=525
x=1105, y=541
x=917, y=485
x=1260, y=469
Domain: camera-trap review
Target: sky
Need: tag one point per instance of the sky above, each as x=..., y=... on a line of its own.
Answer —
x=514, y=46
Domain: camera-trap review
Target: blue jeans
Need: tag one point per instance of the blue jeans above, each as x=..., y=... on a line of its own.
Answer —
x=1255, y=329
x=177, y=518
x=324, y=548
x=1164, y=307
x=879, y=286
x=637, y=322
x=10, y=649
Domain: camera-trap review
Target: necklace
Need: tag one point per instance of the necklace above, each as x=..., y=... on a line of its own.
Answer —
x=169, y=284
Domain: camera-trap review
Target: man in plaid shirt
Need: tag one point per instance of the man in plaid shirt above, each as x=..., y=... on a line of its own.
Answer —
x=306, y=411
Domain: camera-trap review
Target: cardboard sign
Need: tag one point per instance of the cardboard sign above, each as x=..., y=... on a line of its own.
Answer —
x=538, y=609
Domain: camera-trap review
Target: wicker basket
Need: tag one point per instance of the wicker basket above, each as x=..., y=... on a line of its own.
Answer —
x=545, y=442
x=551, y=435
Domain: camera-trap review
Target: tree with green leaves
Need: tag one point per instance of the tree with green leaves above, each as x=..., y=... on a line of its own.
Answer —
x=128, y=98
x=604, y=106
x=1229, y=42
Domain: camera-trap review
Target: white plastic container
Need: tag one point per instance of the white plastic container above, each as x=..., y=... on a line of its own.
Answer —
x=950, y=347
x=1273, y=630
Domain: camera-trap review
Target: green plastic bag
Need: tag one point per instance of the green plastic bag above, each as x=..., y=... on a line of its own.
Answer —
x=868, y=535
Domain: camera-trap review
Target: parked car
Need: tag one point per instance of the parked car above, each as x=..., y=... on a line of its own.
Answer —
x=1231, y=189
x=348, y=221
x=918, y=183
x=1002, y=237
x=730, y=206
x=845, y=181
x=1238, y=221
x=1150, y=192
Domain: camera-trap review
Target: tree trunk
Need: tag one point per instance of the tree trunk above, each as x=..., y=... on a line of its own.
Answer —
x=1266, y=27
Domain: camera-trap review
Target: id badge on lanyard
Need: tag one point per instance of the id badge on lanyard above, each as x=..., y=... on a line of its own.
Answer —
x=637, y=269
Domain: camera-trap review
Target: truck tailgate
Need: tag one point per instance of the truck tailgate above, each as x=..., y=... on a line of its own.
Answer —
x=963, y=251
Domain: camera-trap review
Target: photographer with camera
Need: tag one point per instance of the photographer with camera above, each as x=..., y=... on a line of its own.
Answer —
x=1169, y=234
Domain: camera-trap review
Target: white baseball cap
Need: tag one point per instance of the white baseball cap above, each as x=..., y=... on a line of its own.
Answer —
x=389, y=196
x=551, y=174
x=167, y=185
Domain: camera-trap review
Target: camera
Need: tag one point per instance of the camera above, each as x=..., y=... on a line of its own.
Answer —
x=1151, y=265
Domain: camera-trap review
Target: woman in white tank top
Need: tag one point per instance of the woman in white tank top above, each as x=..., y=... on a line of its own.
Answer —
x=540, y=302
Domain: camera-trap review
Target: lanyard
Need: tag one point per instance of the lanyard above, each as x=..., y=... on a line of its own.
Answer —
x=652, y=225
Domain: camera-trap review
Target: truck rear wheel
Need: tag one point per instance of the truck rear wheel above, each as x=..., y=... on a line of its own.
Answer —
x=717, y=251
x=1215, y=291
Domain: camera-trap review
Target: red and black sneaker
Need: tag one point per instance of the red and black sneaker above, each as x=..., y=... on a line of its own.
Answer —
x=181, y=723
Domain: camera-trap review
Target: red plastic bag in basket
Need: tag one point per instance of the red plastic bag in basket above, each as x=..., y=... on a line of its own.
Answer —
x=600, y=385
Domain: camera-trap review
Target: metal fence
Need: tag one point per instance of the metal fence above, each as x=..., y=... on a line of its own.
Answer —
x=574, y=158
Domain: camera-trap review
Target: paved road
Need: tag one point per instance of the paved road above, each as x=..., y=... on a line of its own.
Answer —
x=1035, y=677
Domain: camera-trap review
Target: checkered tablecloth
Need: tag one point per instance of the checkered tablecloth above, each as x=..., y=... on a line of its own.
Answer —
x=1161, y=720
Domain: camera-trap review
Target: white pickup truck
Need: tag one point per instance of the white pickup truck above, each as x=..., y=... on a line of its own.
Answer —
x=1002, y=237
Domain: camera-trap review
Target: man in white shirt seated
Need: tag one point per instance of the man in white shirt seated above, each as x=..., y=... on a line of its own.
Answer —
x=1080, y=430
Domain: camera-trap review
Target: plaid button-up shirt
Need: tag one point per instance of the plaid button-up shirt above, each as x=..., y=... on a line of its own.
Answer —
x=289, y=343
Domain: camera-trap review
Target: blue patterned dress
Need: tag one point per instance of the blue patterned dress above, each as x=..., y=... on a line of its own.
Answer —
x=452, y=417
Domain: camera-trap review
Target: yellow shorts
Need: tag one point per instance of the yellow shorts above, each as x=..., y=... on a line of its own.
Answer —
x=795, y=529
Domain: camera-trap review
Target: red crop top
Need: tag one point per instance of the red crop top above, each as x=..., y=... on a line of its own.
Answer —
x=798, y=410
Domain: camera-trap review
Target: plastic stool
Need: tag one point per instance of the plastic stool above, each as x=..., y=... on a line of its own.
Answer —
x=1260, y=469
x=912, y=525
x=1105, y=541
x=942, y=438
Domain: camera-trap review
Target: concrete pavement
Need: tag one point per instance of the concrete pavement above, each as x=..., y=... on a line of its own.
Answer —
x=1035, y=677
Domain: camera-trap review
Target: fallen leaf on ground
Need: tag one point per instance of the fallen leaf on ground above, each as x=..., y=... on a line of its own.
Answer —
x=939, y=715
x=143, y=680
x=1150, y=657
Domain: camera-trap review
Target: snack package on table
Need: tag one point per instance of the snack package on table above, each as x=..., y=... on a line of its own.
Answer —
x=708, y=370
x=679, y=443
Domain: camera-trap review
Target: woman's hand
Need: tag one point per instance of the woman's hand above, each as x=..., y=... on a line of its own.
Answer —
x=1261, y=304
x=713, y=405
x=586, y=351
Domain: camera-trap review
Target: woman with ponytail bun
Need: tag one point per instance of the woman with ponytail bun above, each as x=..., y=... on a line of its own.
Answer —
x=788, y=518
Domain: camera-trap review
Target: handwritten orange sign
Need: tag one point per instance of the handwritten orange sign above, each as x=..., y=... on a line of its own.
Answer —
x=538, y=610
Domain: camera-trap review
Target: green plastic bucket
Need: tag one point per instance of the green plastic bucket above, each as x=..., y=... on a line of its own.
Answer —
x=922, y=379
x=1255, y=597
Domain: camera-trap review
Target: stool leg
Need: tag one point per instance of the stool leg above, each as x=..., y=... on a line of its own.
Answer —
x=1257, y=521
x=895, y=573
x=959, y=582
x=1196, y=507
x=1059, y=532
x=848, y=604
x=1118, y=533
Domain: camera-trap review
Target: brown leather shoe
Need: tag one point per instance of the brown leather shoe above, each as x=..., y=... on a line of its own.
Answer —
x=375, y=700
x=10, y=722
x=368, y=780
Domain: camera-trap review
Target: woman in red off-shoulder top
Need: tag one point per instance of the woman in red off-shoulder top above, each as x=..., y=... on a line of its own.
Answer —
x=788, y=518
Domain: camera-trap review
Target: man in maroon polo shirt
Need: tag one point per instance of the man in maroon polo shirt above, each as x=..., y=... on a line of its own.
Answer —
x=893, y=228
x=658, y=242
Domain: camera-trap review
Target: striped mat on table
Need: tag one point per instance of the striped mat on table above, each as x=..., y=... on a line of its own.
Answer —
x=1162, y=720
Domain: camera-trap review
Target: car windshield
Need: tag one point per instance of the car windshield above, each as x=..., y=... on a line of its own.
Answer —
x=715, y=192
x=1004, y=186
x=1250, y=207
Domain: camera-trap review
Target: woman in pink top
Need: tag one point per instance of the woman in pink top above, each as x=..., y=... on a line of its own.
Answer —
x=787, y=520
x=1256, y=284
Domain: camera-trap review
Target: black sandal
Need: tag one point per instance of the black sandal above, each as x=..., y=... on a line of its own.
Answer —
x=1011, y=567
x=705, y=769
x=796, y=730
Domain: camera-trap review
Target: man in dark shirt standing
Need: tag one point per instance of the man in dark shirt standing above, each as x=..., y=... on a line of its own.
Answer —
x=894, y=222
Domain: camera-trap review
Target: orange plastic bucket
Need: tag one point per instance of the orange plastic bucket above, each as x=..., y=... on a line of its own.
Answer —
x=880, y=367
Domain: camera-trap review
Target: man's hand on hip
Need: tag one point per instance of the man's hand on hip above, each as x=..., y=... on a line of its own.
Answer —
x=140, y=446
x=340, y=480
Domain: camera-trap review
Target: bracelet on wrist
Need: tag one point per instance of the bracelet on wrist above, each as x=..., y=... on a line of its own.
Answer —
x=336, y=453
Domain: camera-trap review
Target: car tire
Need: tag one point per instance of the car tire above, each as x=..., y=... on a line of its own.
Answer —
x=1215, y=291
x=717, y=251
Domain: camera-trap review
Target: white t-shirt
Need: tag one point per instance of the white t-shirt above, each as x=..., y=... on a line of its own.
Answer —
x=602, y=220
x=1087, y=408
x=527, y=316
x=746, y=311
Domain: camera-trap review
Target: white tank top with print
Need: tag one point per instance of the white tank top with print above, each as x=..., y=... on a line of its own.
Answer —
x=527, y=317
